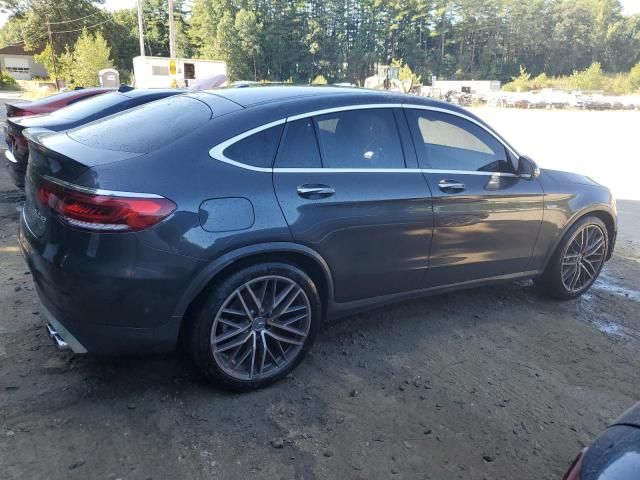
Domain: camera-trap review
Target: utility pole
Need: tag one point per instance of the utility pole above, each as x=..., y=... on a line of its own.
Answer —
x=140, y=31
x=172, y=32
x=53, y=55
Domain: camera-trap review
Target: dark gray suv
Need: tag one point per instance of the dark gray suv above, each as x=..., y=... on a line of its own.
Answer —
x=240, y=219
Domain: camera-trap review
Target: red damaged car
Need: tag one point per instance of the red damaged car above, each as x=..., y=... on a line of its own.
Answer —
x=52, y=103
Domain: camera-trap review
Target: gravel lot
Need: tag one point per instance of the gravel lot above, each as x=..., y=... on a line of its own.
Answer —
x=491, y=383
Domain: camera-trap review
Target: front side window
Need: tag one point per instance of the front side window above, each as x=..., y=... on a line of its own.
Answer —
x=364, y=139
x=448, y=142
x=257, y=150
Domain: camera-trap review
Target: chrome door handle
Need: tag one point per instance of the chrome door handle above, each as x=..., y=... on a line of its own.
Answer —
x=451, y=186
x=315, y=191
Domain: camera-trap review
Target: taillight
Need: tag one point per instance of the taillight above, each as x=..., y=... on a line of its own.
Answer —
x=574, y=470
x=104, y=213
x=21, y=113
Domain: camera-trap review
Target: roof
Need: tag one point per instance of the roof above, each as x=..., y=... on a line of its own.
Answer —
x=19, y=50
x=255, y=95
x=305, y=95
x=278, y=102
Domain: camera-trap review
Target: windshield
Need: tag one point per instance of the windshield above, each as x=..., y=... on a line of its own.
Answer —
x=84, y=108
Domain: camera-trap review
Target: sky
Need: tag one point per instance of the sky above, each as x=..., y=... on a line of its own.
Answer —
x=630, y=6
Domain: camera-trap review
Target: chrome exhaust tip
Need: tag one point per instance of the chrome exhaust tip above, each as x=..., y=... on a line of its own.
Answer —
x=57, y=339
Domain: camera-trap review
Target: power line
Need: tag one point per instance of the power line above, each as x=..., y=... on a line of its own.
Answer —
x=85, y=27
x=76, y=19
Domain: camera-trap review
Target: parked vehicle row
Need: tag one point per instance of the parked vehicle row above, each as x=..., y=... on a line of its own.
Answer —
x=92, y=107
x=563, y=100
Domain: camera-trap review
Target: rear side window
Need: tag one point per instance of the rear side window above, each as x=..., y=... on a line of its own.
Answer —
x=145, y=128
x=256, y=150
x=364, y=139
x=448, y=142
x=299, y=147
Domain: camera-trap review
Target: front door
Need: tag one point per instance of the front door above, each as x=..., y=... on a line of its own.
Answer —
x=486, y=218
x=343, y=184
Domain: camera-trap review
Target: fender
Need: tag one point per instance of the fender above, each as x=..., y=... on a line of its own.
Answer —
x=220, y=263
x=593, y=207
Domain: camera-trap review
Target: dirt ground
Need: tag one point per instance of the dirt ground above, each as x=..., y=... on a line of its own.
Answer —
x=490, y=383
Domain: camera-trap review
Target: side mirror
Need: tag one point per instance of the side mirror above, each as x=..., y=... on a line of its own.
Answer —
x=527, y=168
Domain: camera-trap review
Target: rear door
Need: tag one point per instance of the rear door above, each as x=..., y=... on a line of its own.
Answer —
x=351, y=191
x=486, y=218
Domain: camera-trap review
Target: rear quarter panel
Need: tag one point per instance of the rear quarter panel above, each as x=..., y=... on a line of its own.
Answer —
x=185, y=173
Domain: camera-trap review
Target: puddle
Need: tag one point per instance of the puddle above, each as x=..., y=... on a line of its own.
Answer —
x=605, y=284
x=610, y=329
x=613, y=330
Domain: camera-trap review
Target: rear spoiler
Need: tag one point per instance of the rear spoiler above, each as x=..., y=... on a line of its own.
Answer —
x=57, y=155
x=34, y=134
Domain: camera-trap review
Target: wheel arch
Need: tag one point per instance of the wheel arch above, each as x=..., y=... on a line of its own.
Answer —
x=301, y=256
x=601, y=211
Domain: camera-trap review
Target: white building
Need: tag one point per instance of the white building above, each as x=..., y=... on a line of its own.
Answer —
x=160, y=72
x=20, y=64
x=467, y=86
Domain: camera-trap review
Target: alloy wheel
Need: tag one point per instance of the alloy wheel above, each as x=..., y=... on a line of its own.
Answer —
x=261, y=328
x=583, y=258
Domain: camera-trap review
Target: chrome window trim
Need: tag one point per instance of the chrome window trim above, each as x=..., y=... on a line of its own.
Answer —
x=99, y=191
x=217, y=152
x=366, y=106
x=469, y=172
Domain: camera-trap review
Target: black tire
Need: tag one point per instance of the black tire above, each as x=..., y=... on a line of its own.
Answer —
x=551, y=282
x=200, y=337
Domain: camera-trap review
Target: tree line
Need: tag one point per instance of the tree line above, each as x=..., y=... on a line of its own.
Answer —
x=344, y=40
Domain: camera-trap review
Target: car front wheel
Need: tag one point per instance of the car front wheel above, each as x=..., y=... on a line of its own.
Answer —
x=256, y=326
x=577, y=261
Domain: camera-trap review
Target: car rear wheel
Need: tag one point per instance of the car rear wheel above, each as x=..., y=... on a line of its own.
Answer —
x=577, y=261
x=256, y=326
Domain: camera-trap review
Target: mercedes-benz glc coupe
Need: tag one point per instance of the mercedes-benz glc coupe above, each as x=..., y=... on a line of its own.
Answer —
x=240, y=219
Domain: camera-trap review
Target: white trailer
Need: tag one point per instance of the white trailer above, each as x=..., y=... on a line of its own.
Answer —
x=161, y=72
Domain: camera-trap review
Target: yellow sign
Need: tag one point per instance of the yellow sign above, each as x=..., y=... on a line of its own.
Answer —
x=172, y=67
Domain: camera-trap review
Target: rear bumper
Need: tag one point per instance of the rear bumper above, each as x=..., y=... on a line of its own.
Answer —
x=108, y=340
x=107, y=296
x=60, y=335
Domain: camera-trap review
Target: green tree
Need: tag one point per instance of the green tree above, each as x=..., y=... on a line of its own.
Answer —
x=634, y=77
x=225, y=46
x=90, y=55
x=46, y=59
x=122, y=38
x=590, y=78
x=519, y=83
x=67, y=18
x=248, y=31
